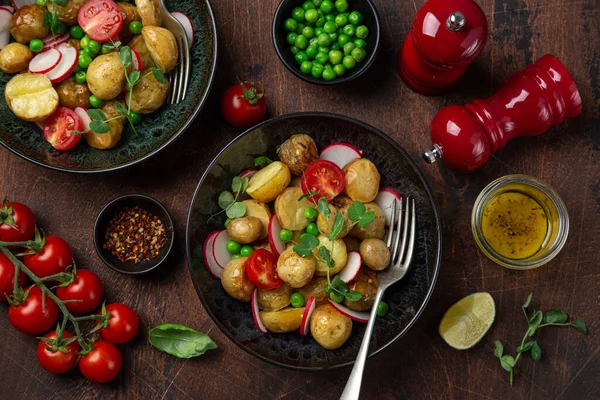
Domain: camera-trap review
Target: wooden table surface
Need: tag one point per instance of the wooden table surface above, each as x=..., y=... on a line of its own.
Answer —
x=421, y=366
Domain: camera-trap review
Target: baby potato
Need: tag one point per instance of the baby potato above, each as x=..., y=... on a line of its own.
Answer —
x=298, y=152
x=337, y=205
x=294, y=270
x=362, y=180
x=72, y=94
x=290, y=211
x=234, y=280
x=139, y=45
x=263, y=244
x=366, y=283
x=282, y=321
x=31, y=97
x=260, y=211
x=130, y=14
x=244, y=230
x=149, y=12
x=106, y=77
x=375, y=229
x=315, y=288
x=67, y=14
x=15, y=57
x=269, y=182
x=162, y=46
x=339, y=255
x=27, y=23
x=148, y=95
x=296, y=182
x=352, y=244
x=108, y=140
x=375, y=254
x=330, y=328
x=274, y=299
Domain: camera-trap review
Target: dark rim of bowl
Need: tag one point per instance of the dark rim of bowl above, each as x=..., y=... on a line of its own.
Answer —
x=98, y=228
x=397, y=147
x=365, y=66
x=162, y=146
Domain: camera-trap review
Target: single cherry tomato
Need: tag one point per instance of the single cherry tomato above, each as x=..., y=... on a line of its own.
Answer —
x=17, y=222
x=54, y=258
x=30, y=317
x=86, y=287
x=57, y=359
x=121, y=326
x=243, y=105
x=323, y=177
x=7, y=277
x=100, y=19
x=102, y=363
x=261, y=269
x=60, y=127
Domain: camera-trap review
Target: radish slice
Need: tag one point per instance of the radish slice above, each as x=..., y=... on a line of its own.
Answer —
x=340, y=154
x=136, y=60
x=385, y=199
x=20, y=3
x=355, y=315
x=209, y=257
x=53, y=42
x=84, y=117
x=277, y=245
x=222, y=256
x=67, y=63
x=9, y=9
x=248, y=173
x=4, y=38
x=5, y=17
x=44, y=62
x=256, y=313
x=187, y=26
x=349, y=272
x=308, y=310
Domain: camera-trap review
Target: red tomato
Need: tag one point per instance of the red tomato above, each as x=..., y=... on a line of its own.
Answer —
x=261, y=269
x=123, y=324
x=56, y=361
x=30, y=317
x=102, y=363
x=323, y=177
x=17, y=222
x=7, y=277
x=243, y=105
x=54, y=258
x=60, y=126
x=86, y=287
x=100, y=19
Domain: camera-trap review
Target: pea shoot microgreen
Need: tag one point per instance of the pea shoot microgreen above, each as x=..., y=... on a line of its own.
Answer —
x=50, y=20
x=228, y=200
x=262, y=161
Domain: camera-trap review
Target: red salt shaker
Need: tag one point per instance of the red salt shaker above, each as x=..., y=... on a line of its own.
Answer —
x=447, y=35
x=529, y=103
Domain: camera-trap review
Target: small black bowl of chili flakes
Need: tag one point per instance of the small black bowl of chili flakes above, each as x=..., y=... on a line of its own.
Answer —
x=133, y=234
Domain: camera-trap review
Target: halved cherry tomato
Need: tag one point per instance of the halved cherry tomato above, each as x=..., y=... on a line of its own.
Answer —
x=60, y=127
x=102, y=363
x=57, y=361
x=7, y=277
x=17, y=222
x=261, y=269
x=100, y=19
x=86, y=289
x=54, y=258
x=30, y=317
x=122, y=325
x=323, y=177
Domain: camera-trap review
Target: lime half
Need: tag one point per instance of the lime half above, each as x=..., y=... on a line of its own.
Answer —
x=468, y=320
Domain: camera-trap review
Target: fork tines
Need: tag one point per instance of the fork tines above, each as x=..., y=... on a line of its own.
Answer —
x=180, y=76
x=400, y=238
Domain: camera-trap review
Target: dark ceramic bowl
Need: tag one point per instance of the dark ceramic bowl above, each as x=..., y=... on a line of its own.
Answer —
x=371, y=21
x=406, y=299
x=115, y=207
x=156, y=130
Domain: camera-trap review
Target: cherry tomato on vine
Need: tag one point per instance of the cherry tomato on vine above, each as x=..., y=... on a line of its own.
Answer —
x=261, y=269
x=323, y=177
x=86, y=287
x=243, y=105
x=102, y=363
x=54, y=258
x=17, y=222
x=7, y=277
x=30, y=317
x=57, y=359
x=121, y=326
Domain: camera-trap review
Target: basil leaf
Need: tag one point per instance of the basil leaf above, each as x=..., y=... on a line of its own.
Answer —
x=262, y=161
x=556, y=316
x=125, y=56
x=366, y=219
x=507, y=362
x=528, y=301
x=99, y=127
x=323, y=207
x=306, y=245
x=338, y=226
x=356, y=210
x=159, y=76
x=96, y=115
x=526, y=347
x=353, y=296
x=579, y=325
x=121, y=109
x=236, y=210
x=498, y=349
x=536, y=351
x=225, y=200
x=180, y=341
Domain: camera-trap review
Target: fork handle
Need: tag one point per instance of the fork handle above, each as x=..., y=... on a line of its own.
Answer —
x=352, y=389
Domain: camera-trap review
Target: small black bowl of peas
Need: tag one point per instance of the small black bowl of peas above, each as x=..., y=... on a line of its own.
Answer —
x=326, y=42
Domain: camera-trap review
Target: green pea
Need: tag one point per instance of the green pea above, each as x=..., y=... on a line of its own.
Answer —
x=324, y=39
x=358, y=54
x=359, y=43
x=233, y=247
x=308, y=32
x=349, y=62
x=341, y=5
x=42, y=3
x=350, y=30
x=326, y=6
x=311, y=228
x=329, y=18
x=290, y=24
x=335, y=296
x=329, y=74
x=59, y=28
x=319, y=31
x=306, y=67
x=291, y=38
x=285, y=235
x=328, y=65
x=80, y=77
x=77, y=69
x=339, y=70
x=320, y=21
x=297, y=300
x=84, y=61
x=310, y=214
x=343, y=39
x=311, y=16
x=317, y=3
x=96, y=102
x=324, y=49
x=135, y=27
x=134, y=117
x=93, y=47
x=355, y=18
x=235, y=256
x=335, y=56
x=301, y=57
x=76, y=32
x=313, y=42
x=36, y=45
x=298, y=14
x=336, y=46
x=228, y=220
x=294, y=49
x=330, y=27
x=362, y=32
x=84, y=41
x=308, y=5
x=333, y=37
x=301, y=42
x=322, y=58
x=311, y=52
x=382, y=309
x=299, y=28
x=246, y=251
x=348, y=47
x=317, y=70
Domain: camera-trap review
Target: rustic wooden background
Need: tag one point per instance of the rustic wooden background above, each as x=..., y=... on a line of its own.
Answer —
x=421, y=366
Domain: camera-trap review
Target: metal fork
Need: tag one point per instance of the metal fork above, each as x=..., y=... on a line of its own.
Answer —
x=180, y=75
x=401, y=241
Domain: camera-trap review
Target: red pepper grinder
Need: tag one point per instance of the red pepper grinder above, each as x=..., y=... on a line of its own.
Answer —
x=529, y=103
x=447, y=35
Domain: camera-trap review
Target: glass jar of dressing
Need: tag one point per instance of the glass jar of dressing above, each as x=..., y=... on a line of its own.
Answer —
x=520, y=222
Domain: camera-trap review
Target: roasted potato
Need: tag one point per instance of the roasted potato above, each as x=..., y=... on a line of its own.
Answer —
x=67, y=14
x=375, y=229
x=15, y=57
x=234, y=280
x=375, y=254
x=106, y=77
x=139, y=45
x=244, y=230
x=290, y=211
x=72, y=94
x=352, y=244
x=148, y=95
x=362, y=180
x=149, y=12
x=330, y=328
x=75, y=43
x=162, y=46
x=337, y=205
x=104, y=141
x=274, y=299
x=263, y=244
x=294, y=270
x=27, y=23
x=366, y=283
x=339, y=256
x=260, y=211
x=282, y=321
x=31, y=97
x=269, y=182
x=315, y=288
x=298, y=152
x=296, y=182
x=130, y=14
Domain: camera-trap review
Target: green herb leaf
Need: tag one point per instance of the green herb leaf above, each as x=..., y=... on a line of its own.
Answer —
x=579, y=325
x=236, y=210
x=121, y=109
x=325, y=254
x=353, y=296
x=528, y=301
x=307, y=195
x=125, y=56
x=323, y=207
x=226, y=200
x=277, y=149
x=555, y=317
x=338, y=226
x=498, y=349
x=507, y=362
x=262, y=161
x=245, y=182
x=306, y=245
x=534, y=322
x=134, y=76
x=180, y=341
x=116, y=44
x=339, y=286
x=99, y=127
x=236, y=184
x=526, y=347
x=536, y=351
x=356, y=210
x=159, y=76
x=96, y=115
x=47, y=18
x=366, y=219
